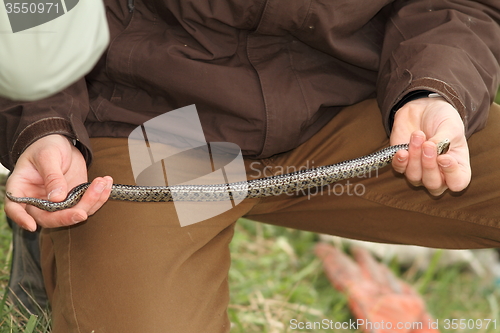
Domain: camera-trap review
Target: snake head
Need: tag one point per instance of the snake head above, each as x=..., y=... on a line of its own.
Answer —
x=443, y=146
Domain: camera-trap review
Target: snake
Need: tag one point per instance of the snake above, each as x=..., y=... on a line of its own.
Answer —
x=293, y=182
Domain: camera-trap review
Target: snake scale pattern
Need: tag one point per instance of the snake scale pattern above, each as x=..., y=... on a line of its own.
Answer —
x=258, y=188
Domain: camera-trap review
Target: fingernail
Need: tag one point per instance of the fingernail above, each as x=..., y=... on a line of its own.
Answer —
x=417, y=139
x=401, y=159
x=100, y=186
x=77, y=219
x=29, y=228
x=429, y=151
x=55, y=192
x=444, y=164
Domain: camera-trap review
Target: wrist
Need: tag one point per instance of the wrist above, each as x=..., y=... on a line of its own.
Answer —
x=410, y=97
x=49, y=141
x=37, y=131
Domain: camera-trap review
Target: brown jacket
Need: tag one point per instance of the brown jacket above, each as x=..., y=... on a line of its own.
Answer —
x=267, y=74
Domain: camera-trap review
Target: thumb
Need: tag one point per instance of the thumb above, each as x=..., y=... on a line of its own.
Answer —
x=50, y=170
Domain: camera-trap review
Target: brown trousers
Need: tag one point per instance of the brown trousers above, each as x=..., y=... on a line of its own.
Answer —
x=132, y=268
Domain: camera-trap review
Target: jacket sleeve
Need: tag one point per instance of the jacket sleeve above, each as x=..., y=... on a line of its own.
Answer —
x=22, y=123
x=450, y=47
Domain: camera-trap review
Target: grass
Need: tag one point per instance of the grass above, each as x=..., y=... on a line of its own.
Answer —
x=275, y=278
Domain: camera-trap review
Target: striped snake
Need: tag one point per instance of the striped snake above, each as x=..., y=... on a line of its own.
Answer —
x=294, y=182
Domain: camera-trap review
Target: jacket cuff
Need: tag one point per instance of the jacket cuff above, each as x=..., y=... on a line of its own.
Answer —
x=414, y=95
x=45, y=127
x=429, y=85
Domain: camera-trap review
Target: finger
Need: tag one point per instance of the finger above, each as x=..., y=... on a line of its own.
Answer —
x=48, y=165
x=432, y=177
x=103, y=197
x=414, y=168
x=19, y=215
x=62, y=218
x=457, y=177
x=93, y=199
x=94, y=196
x=400, y=161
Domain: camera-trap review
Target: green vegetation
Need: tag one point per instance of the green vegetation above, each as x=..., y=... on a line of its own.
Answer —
x=275, y=278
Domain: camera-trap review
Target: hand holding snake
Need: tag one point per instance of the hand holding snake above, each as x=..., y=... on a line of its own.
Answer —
x=426, y=122
x=49, y=168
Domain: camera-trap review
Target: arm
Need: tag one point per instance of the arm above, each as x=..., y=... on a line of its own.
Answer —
x=34, y=144
x=447, y=47
x=22, y=123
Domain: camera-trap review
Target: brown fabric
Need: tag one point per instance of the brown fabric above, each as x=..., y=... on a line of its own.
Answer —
x=23, y=123
x=268, y=74
x=132, y=268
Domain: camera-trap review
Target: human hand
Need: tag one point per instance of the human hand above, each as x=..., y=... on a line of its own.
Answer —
x=424, y=123
x=48, y=168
